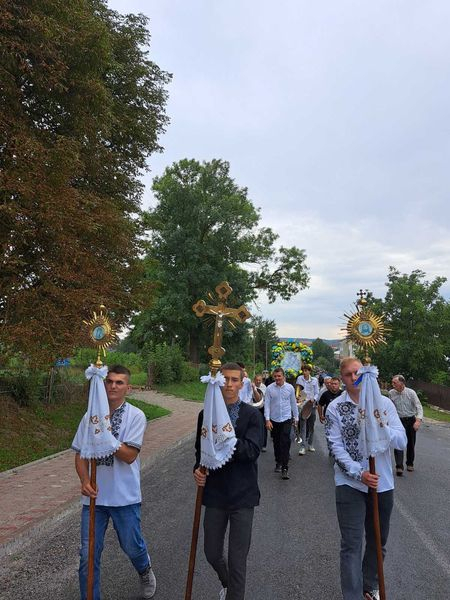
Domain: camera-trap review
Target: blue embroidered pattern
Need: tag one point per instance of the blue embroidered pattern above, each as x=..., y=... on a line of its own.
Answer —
x=116, y=422
x=350, y=433
x=233, y=411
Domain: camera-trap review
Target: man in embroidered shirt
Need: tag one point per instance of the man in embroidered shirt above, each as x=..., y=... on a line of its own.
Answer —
x=410, y=411
x=231, y=492
x=311, y=388
x=280, y=407
x=118, y=493
x=353, y=480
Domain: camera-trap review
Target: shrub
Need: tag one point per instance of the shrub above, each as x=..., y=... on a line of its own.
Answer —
x=27, y=387
x=189, y=373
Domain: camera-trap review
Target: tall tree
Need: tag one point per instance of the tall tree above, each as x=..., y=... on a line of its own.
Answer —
x=82, y=107
x=324, y=356
x=205, y=229
x=419, y=321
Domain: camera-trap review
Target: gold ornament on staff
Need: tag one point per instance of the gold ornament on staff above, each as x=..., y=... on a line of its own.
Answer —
x=101, y=332
x=218, y=313
x=365, y=328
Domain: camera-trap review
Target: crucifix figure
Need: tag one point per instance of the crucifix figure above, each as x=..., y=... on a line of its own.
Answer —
x=219, y=313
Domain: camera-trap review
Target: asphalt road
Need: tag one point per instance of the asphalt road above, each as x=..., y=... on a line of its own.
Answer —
x=295, y=549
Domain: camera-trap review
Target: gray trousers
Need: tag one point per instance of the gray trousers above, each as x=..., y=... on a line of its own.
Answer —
x=355, y=515
x=231, y=573
x=306, y=427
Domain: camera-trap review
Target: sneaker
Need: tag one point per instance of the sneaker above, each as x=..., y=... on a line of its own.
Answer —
x=223, y=594
x=399, y=471
x=277, y=468
x=284, y=474
x=373, y=595
x=263, y=449
x=311, y=449
x=410, y=468
x=148, y=583
x=301, y=452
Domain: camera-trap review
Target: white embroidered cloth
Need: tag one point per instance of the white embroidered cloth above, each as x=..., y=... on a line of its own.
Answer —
x=97, y=440
x=374, y=438
x=218, y=439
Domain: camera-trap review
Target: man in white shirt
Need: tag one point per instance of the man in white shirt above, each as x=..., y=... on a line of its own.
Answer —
x=280, y=407
x=310, y=387
x=410, y=411
x=246, y=392
x=354, y=505
x=118, y=492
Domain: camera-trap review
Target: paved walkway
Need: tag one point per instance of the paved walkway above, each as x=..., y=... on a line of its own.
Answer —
x=49, y=487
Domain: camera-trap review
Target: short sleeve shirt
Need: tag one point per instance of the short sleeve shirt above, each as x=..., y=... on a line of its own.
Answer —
x=118, y=482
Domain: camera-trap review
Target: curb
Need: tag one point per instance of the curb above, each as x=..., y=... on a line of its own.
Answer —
x=50, y=520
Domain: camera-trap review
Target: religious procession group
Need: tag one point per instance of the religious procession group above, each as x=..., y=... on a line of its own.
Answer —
x=232, y=430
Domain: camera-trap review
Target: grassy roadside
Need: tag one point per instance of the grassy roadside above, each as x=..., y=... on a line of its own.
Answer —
x=30, y=433
x=190, y=390
x=437, y=415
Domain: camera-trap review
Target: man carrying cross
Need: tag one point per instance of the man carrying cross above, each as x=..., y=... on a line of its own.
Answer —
x=231, y=492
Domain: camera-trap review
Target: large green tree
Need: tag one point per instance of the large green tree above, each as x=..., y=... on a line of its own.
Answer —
x=324, y=356
x=419, y=320
x=204, y=229
x=82, y=107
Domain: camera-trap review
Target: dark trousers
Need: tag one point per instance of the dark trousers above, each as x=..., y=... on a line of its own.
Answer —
x=355, y=515
x=408, y=424
x=281, y=434
x=261, y=410
x=231, y=573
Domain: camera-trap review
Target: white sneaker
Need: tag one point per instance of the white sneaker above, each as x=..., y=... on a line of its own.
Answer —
x=223, y=594
x=311, y=449
x=373, y=595
x=301, y=452
x=148, y=583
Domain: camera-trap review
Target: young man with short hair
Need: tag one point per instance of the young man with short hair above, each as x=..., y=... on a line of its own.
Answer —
x=280, y=407
x=306, y=426
x=118, y=492
x=231, y=492
x=354, y=505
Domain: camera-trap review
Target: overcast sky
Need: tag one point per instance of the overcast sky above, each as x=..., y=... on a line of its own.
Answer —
x=335, y=115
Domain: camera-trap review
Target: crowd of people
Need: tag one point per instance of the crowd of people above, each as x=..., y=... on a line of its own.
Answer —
x=259, y=408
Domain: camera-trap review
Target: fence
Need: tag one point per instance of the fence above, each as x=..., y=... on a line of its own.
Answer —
x=437, y=395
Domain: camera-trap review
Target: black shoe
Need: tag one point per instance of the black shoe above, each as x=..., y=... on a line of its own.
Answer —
x=399, y=471
x=284, y=474
x=277, y=468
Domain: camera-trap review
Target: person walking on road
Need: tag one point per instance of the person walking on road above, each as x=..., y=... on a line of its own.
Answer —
x=231, y=492
x=410, y=411
x=306, y=424
x=280, y=407
x=354, y=505
x=118, y=491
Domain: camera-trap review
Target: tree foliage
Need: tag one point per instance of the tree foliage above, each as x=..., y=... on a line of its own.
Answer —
x=324, y=356
x=419, y=320
x=81, y=109
x=204, y=229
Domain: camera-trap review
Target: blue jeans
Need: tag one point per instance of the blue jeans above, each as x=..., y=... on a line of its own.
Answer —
x=127, y=523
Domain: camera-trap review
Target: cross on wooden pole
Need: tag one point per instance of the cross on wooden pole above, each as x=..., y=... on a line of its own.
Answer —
x=219, y=313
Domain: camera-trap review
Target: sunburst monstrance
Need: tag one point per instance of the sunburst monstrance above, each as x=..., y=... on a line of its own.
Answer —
x=101, y=332
x=364, y=327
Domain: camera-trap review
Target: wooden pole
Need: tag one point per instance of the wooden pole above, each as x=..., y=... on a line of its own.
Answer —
x=377, y=531
x=91, y=551
x=194, y=540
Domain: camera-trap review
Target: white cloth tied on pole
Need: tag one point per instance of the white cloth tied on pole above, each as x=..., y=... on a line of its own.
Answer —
x=98, y=440
x=218, y=439
x=374, y=437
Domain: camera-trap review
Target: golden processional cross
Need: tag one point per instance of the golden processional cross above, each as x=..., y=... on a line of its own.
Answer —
x=219, y=314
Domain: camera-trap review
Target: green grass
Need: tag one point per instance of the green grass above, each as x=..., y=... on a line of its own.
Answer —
x=190, y=390
x=431, y=413
x=30, y=433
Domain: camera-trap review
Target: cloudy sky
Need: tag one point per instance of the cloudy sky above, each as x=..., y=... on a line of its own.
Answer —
x=335, y=115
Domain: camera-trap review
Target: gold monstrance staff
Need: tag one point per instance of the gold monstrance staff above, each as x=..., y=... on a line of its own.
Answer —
x=218, y=314
x=366, y=330
x=98, y=439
